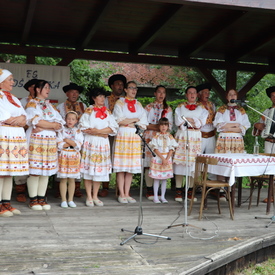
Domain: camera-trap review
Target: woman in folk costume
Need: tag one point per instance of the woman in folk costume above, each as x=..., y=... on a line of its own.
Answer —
x=196, y=116
x=155, y=111
x=44, y=122
x=13, y=143
x=69, y=142
x=231, y=122
x=127, y=153
x=97, y=123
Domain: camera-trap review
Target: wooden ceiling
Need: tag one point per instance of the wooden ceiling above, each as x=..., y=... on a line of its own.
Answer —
x=206, y=34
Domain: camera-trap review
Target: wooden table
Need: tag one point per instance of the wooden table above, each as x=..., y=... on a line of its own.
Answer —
x=241, y=165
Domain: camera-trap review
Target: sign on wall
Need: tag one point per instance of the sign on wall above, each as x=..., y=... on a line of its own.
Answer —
x=57, y=76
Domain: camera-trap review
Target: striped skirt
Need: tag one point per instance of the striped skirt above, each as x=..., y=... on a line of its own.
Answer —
x=229, y=143
x=180, y=157
x=127, y=153
x=96, y=158
x=43, y=158
x=13, y=151
x=69, y=164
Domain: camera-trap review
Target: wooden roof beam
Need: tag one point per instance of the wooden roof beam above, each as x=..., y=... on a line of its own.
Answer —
x=250, y=84
x=213, y=30
x=130, y=58
x=65, y=61
x=95, y=23
x=206, y=73
x=155, y=27
x=28, y=21
x=259, y=4
x=256, y=42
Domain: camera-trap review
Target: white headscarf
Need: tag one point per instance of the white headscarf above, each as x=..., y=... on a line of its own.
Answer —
x=4, y=74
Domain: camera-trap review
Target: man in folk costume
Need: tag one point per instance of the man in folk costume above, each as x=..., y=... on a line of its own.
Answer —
x=117, y=83
x=21, y=181
x=260, y=126
x=72, y=103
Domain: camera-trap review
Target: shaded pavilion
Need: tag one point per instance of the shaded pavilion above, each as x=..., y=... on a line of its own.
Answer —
x=203, y=34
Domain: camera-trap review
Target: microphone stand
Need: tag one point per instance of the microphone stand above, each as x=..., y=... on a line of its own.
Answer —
x=185, y=224
x=271, y=179
x=138, y=230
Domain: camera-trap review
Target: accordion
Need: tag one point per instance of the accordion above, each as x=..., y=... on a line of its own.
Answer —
x=269, y=129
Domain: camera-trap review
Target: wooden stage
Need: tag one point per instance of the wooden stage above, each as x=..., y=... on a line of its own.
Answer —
x=87, y=240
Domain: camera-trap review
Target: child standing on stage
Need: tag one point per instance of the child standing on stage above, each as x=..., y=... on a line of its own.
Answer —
x=70, y=141
x=163, y=144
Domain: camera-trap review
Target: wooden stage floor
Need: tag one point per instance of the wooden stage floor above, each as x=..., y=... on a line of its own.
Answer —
x=87, y=240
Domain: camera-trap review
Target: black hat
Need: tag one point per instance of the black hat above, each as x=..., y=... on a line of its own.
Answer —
x=270, y=90
x=30, y=83
x=116, y=77
x=94, y=92
x=73, y=86
x=204, y=86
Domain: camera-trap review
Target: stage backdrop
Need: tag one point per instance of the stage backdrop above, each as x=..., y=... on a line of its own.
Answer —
x=57, y=76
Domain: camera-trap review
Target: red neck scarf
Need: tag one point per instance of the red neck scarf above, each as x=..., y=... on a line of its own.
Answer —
x=100, y=112
x=10, y=99
x=131, y=105
x=164, y=112
x=191, y=107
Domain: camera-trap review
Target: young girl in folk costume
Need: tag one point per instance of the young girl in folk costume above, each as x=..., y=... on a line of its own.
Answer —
x=231, y=122
x=154, y=112
x=161, y=169
x=97, y=123
x=69, y=141
x=196, y=116
x=13, y=143
x=128, y=112
x=44, y=122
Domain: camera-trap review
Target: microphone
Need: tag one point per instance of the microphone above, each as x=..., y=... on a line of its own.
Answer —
x=238, y=101
x=187, y=122
x=137, y=128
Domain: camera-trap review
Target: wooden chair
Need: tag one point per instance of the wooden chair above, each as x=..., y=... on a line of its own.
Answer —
x=259, y=181
x=200, y=179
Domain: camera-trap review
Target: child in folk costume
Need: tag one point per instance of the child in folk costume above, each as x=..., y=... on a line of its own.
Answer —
x=161, y=168
x=97, y=123
x=69, y=141
x=154, y=111
x=44, y=122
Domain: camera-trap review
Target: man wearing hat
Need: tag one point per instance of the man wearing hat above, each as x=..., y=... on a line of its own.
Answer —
x=21, y=181
x=72, y=92
x=117, y=83
x=269, y=145
x=29, y=86
x=208, y=131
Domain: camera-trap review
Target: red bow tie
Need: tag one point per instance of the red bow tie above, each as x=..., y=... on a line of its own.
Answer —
x=100, y=112
x=131, y=105
x=191, y=107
